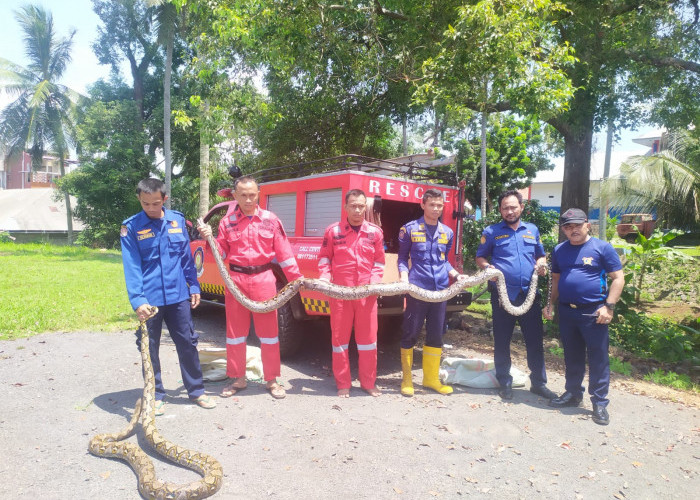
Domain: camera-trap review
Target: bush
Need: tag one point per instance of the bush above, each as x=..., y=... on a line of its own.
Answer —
x=619, y=366
x=671, y=379
x=654, y=337
x=611, y=228
x=5, y=237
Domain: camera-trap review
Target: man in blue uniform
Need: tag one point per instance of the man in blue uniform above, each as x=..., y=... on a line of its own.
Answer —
x=159, y=271
x=514, y=248
x=427, y=242
x=580, y=269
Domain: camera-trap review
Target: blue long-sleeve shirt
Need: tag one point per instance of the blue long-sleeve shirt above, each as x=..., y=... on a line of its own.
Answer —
x=158, y=265
x=429, y=266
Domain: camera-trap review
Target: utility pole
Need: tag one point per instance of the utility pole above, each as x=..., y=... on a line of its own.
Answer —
x=603, y=217
x=484, y=120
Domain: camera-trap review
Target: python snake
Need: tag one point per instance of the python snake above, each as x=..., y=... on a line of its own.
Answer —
x=115, y=445
x=385, y=289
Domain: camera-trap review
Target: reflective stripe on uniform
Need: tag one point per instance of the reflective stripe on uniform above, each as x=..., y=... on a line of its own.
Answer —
x=324, y=260
x=288, y=262
x=236, y=340
x=270, y=340
x=340, y=348
x=367, y=347
x=336, y=229
x=379, y=265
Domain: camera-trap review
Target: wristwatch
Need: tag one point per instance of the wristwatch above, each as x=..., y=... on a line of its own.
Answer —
x=610, y=305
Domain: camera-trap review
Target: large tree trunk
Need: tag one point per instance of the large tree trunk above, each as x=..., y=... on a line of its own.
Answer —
x=577, y=169
x=203, y=166
x=166, y=117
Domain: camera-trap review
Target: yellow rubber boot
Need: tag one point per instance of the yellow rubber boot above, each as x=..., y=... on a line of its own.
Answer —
x=431, y=370
x=406, y=365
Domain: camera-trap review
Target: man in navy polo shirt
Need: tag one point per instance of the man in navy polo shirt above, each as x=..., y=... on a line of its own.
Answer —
x=515, y=249
x=581, y=267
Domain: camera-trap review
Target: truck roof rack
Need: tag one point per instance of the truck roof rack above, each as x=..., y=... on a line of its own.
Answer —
x=407, y=168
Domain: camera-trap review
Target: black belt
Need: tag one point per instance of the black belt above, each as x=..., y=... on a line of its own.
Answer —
x=582, y=306
x=250, y=269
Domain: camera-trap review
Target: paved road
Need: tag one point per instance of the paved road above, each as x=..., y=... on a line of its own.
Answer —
x=60, y=389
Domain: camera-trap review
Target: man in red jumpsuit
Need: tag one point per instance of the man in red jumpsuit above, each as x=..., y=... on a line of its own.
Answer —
x=251, y=239
x=352, y=254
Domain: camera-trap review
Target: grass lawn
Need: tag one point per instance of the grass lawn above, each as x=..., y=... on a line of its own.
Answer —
x=58, y=288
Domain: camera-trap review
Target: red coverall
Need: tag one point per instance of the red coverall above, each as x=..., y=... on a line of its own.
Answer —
x=248, y=243
x=353, y=258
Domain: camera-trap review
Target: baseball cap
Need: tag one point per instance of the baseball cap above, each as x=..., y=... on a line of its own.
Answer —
x=573, y=216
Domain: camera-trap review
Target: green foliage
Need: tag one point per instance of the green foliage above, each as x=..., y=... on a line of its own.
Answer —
x=514, y=154
x=5, y=237
x=557, y=351
x=69, y=289
x=43, y=111
x=671, y=379
x=619, y=366
x=667, y=182
x=501, y=51
x=646, y=256
x=112, y=163
x=654, y=337
x=611, y=228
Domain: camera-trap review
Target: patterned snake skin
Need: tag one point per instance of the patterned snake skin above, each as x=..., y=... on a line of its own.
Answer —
x=384, y=289
x=116, y=446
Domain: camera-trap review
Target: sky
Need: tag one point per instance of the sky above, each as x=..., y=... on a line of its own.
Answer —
x=67, y=14
x=85, y=69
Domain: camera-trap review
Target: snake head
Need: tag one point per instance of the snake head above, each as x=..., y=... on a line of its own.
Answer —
x=152, y=311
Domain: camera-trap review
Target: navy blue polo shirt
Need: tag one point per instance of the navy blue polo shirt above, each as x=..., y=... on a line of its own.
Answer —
x=584, y=270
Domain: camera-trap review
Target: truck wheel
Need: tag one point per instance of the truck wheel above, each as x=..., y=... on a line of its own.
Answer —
x=631, y=238
x=290, y=335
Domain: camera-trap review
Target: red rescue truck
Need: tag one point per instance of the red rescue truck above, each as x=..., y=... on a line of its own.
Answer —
x=308, y=205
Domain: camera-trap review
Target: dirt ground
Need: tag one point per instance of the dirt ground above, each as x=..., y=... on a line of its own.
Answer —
x=62, y=388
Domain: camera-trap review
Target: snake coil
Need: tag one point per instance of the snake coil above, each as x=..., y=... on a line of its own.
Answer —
x=115, y=445
x=384, y=289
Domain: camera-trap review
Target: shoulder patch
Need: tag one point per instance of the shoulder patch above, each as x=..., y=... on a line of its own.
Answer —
x=123, y=231
x=483, y=239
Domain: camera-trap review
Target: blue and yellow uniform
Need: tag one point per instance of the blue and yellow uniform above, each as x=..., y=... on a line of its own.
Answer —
x=427, y=247
x=159, y=270
x=583, y=288
x=515, y=252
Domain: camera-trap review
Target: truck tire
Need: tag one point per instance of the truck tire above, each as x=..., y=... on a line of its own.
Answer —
x=631, y=237
x=290, y=335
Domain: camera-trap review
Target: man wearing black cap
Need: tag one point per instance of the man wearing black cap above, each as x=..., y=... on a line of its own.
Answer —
x=581, y=267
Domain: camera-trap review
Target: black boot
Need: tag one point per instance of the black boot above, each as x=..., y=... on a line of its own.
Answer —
x=600, y=415
x=566, y=399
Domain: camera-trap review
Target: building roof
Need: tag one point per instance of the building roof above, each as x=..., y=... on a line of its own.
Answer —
x=649, y=138
x=34, y=210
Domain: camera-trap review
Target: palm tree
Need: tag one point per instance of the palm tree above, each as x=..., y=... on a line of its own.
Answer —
x=42, y=115
x=667, y=182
